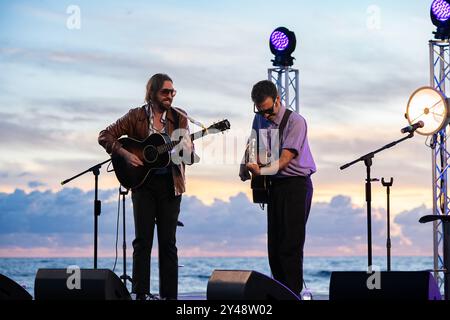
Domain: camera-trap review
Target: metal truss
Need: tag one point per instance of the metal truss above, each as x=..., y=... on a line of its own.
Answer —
x=287, y=81
x=440, y=80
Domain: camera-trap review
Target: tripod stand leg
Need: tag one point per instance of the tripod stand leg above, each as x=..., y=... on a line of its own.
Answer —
x=124, y=276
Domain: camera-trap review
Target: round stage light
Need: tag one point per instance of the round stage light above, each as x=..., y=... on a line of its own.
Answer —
x=282, y=43
x=279, y=40
x=440, y=16
x=430, y=106
x=440, y=9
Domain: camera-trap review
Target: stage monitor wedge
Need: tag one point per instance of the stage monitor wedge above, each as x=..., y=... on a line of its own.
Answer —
x=94, y=284
x=11, y=290
x=246, y=285
x=391, y=285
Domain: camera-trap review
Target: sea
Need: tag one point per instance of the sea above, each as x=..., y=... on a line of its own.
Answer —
x=194, y=273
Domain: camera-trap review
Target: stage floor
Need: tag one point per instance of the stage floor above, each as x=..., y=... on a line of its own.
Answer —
x=202, y=296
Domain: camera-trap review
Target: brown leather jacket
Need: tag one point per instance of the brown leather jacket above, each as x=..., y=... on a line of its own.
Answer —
x=135, y=125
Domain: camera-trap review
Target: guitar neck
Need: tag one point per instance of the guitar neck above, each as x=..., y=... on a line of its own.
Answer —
x=169, y=146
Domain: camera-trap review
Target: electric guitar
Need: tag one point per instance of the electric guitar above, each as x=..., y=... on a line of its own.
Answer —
x=260, y=184
x=154, y=152
x=260, y=189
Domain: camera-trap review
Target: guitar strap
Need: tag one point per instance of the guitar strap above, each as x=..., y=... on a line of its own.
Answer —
x=192, y=120
x=177, y=113
x=177, y=118
x=283, y=123
x=281, y=128
x=261, y=184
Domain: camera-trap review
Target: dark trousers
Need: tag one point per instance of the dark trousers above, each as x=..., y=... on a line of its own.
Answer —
x=155, y=202
x=288, y=210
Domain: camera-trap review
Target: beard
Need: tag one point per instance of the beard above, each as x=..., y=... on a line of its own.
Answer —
x=165, y=103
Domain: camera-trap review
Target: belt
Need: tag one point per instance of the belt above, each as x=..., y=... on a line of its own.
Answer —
x=276, y=180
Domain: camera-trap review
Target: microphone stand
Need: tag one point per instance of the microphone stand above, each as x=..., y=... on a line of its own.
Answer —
x=124, y=276
x=388, y=185
x=368, y=162
x=97, y=203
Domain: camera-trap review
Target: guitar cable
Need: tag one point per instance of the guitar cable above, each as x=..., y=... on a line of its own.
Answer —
x=117, y=230
x=108, y=169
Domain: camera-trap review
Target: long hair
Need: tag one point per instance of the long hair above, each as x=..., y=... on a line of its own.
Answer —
x=155, y=84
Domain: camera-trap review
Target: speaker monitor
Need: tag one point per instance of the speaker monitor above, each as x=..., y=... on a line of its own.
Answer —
x=94, y=284
x=411, y=285
x=10, y=290
x=246, y=285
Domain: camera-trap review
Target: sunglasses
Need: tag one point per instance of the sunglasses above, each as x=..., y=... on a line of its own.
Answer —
x=262, y=112
x=166, y=92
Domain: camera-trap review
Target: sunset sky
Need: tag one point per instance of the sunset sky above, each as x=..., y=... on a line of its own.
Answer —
x=70, y=68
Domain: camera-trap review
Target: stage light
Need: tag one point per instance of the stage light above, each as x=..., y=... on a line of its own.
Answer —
x=440, y=16
x=430, y=106
x=282, y=43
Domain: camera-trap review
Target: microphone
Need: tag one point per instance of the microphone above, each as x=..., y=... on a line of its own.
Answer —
x=413, y=127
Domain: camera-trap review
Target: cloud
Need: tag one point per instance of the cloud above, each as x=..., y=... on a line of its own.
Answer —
x=30, y=137
x=78, y=61
x=22, y=135
x=416, y=236
x=44, y=212
x=339, y=225
x=64, y=219
x=76, y=110
x=35, y=184
x=342, y=225
x=223, y=227
x=352, y=84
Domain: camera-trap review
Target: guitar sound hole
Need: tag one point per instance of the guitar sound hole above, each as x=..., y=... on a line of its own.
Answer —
x=150, y=154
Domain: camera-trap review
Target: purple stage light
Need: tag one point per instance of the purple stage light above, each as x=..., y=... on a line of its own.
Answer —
x=282, y=43
x=279, y=40
x=441, y=10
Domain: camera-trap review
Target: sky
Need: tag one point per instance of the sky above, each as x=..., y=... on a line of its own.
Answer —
x=70, y=68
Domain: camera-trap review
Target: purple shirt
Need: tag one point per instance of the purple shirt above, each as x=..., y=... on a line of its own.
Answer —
x=294, y=138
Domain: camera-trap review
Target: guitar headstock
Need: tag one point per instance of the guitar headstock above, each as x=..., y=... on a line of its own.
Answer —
x=220, y=126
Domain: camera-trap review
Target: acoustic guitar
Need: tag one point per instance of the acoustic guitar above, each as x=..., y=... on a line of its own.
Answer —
x=154, y=152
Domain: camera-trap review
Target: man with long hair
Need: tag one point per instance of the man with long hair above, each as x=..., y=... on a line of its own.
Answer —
x=157, y=200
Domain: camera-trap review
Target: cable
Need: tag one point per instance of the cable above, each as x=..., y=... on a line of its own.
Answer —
x=428, y=144
x=108, y=169
x=117, y=230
